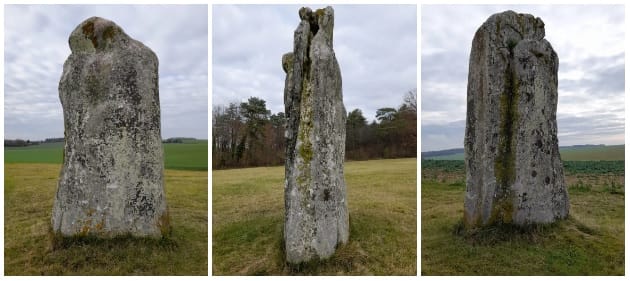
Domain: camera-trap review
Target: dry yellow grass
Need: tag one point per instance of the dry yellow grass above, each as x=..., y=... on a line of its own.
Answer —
x=591, y=242
x=248, y=216
x=28, y=196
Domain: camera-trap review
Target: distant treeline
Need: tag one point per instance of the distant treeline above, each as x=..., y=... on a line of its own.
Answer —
x=21, y=142
x=446, y=152
x=247, y=134
x=179, y=140
x=441, y=152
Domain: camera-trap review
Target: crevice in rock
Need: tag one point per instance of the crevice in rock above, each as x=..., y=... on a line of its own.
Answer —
x=505, y=160
x=313, y=25
x=504, y=165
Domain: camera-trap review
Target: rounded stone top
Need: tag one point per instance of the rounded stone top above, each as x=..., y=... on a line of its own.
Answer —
x=305, y=13
x=509, y=27
x=326, y=19
x=96, y=34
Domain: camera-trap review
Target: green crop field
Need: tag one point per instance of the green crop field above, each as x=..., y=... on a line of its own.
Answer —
x=191, y=155
x=29, y=190
x=588, y=153
x=590, y=242
x=186, y=156
x=248, y=217
x=42, y=153
x=609, y=153
x=30, y=181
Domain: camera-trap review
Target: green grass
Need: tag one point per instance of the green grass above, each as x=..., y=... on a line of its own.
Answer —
x=186, y=156
x=609, y=153
x=591, y=153
x=594, y=167
x=191, y=155
x=570, y=167
x=248, y=217
x=455, y=156
x=590, y=242
x=28, y=247
x=43, y=153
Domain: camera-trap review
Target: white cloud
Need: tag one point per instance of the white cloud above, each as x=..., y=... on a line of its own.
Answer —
x=589, y=43
x=374, y=44
x=36, y=46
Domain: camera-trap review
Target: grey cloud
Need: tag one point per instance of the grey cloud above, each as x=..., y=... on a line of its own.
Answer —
x=433, y=67
x=36, y=45
x=443, y=136
x=604, y=76
x=374, y=44
x=587, y=38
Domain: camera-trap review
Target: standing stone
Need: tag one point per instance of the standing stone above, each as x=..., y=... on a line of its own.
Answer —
x=513, y=169
x=316, y=210
x=111, y=182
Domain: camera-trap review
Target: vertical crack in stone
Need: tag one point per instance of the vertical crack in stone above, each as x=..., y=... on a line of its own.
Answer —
x=512, y=81
x=504, y=163
x=316, y=209
x=509, y=116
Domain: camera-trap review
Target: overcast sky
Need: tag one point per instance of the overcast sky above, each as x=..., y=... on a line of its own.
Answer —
x=589, y=41
x=36, y=46
x=375, y=46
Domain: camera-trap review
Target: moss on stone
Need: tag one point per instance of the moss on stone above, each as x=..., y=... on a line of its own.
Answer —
x=99, y=226
x=504, y=165
x=320, y=13
x=109, y=32
x=305, y=127
x=164, y=223
x=287, y=62
x=88, y=31
x=306, y=152
x=86, y=228
x=502, y=209
x=511, y=44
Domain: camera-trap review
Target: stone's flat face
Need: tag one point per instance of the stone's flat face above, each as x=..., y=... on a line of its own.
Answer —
x=316, y=212
x=513, y=169
x=111, y=182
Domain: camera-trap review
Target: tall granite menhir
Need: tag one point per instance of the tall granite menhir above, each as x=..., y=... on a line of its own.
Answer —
x=513, y=169
x=316, y=212
x=111, y=182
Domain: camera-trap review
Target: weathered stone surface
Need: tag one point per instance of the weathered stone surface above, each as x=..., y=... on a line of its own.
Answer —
x=111, y=182
x=513, y=169
x=316, y=212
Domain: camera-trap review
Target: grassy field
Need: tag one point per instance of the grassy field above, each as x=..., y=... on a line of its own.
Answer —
x=610, y=153
x=591, y=153
x=590, y=242
x=179, y=156
x=248, y=217
x=43, y=153
x=28, y=193
x=186, y=156
x=570, y=167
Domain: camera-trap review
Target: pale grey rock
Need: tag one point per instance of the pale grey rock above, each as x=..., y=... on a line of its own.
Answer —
x=513, y=169
x=316, y=209
x=112, y=180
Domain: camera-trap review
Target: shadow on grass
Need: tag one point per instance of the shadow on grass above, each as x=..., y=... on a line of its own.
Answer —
x=58, y=242
x=256, y=247
x=347, y=258
x=503, y=232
